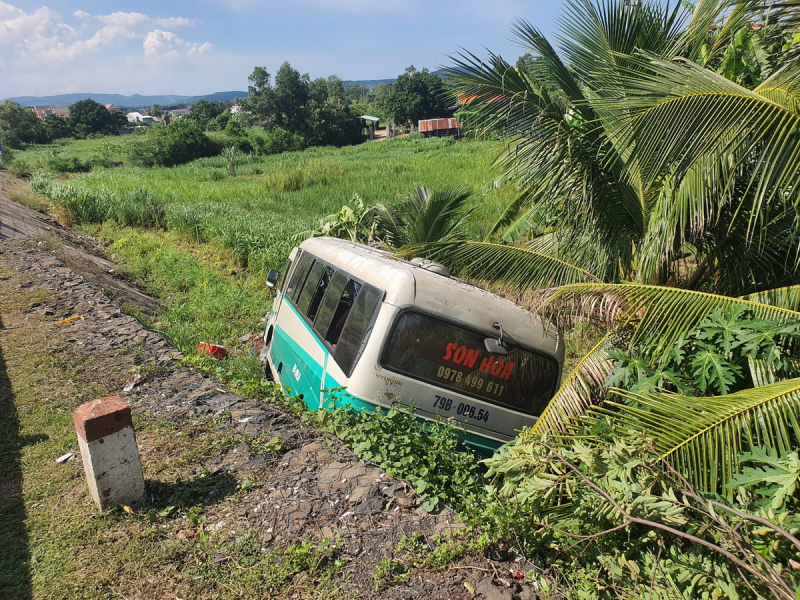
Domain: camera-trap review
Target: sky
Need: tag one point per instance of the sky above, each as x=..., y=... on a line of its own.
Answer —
x=203, y=46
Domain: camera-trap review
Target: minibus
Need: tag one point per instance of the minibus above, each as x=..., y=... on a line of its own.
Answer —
x=352, y=324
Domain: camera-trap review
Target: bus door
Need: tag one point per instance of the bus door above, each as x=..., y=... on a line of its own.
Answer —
x=295, y=351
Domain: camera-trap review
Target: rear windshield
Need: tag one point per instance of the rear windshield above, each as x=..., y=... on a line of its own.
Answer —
x=455, y=358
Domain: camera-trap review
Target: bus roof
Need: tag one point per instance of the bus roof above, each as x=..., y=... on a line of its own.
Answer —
x=408, y=284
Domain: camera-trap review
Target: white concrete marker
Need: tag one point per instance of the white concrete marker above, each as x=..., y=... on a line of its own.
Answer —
x=109, y=452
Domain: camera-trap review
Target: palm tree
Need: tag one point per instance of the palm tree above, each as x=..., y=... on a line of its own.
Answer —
x=651, y=190
x=703, y=437
x=632, y=164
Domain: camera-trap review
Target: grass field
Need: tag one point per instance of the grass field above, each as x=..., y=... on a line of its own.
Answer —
x=151, y=219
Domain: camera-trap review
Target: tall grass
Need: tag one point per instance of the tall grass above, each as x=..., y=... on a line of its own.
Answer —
x=255, y=214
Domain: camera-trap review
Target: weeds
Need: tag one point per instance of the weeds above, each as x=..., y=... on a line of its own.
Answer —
x=428, y=454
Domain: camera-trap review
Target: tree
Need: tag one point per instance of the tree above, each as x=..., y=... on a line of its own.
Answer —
x=602, y=197
x=331, y=123
x=88, y=116
x=118, y=118
x=413, y=96
x=356, y=92
x=260, y=99
x=315, y=110
x=174, y=144
x=291, y=94
x=57, y=127
x=19, y=126
x=204, y=112
x=155, y=111
x=652, y=191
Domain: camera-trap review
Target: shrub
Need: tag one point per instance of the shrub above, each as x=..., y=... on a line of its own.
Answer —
x=278, y=140
x=428, y=454
x=615, y=516
x=72, y=164
x=175, y=144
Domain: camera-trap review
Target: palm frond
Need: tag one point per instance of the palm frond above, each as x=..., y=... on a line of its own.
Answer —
x=679, y=113
x=599, y=36
x=661, y=316
x=703, y=437
x=581, y=389
x=785, y=297
x=711, y=28
x=512, y=267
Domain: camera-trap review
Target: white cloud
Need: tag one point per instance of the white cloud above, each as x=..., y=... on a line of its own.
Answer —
x=26, y=39
x=161, y=43
x=201, y=49
x=158, y=43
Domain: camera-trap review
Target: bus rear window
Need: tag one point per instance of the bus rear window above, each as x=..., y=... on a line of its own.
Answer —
x=455, y=358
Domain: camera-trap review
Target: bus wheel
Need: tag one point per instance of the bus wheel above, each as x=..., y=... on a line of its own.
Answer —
x=265, y=361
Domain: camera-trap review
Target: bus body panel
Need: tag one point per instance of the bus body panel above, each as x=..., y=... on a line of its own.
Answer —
x=304, y=364
x=297, y=357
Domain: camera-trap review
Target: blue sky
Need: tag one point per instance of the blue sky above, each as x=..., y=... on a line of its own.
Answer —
x=204, y=46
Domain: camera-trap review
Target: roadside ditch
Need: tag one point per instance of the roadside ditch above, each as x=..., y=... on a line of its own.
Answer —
x=266, y=474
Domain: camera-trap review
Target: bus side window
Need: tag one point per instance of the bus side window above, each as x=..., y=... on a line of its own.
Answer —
x=284, y=277
x=329, y=304
x=310, y=287
x=299, y=277
x=343, y=307
x=356, y=330
x=324, y=284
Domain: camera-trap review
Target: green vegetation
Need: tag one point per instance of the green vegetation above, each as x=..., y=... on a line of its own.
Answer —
x=413, y=96
x=428, y=455
x=255, y=214
x=20, y=126
x=181, y=142
x=649, y=196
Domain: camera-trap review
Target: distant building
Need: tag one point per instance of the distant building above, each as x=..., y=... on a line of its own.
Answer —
x=235, y=109
x=137, y=117
x=440, y=128
x=111, y=107
x=62, y=112
x=180, y=112
x=44, y=111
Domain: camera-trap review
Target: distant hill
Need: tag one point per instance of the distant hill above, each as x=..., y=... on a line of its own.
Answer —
x=370, y=83
x=373, y=83
x=137, y=101
x=134, y=101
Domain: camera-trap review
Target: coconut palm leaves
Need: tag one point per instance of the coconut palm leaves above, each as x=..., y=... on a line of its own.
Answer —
x=633, y=158
x=579, y=391
x=680, y=113
x=654, y=188
x=660, y=316
x=426, y=216
x=657, y=318
x=704, y=437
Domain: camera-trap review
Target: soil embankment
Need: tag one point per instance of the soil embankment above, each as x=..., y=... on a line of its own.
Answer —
x=301, y=486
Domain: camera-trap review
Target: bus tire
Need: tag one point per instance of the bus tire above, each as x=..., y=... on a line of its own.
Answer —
x=264, y=357
x=268, y=374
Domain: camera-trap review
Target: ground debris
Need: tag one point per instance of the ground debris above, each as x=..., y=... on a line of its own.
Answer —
x=304, y=487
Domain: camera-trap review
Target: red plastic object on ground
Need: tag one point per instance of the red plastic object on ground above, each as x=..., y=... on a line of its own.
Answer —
x=212, y=350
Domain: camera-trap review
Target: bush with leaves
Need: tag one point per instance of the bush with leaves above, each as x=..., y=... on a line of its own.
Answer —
x=428, y=454
x=277, y=141
x=715, y=358
x=175, y=144
x=615, y=515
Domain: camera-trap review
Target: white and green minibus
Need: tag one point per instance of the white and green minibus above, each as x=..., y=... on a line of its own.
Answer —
x=354, y=318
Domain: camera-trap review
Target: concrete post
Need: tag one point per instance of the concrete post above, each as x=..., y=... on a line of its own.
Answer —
x=109, y=452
